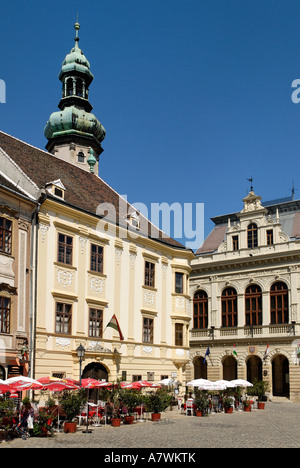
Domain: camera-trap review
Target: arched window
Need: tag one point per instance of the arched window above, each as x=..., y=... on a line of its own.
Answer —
x=200, y=310
x=253, y=305
x=79, y=88
x=279, y=303
x=252, y=236
x=229, y=307
x=69, y=87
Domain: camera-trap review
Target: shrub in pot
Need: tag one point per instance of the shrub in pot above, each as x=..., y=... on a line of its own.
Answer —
x=227, y=404
x=157, y=402
x=72, y=404
x=201, y=403
x=130, y=399
x=247, y=405
x=260, y=387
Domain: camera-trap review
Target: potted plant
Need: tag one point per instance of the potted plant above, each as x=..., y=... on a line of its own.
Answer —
x=156, y=402
x=115, y=398
x=247, y=405
x=227, y=404
x=130, y=399
x=259, y=388
x=116, y=419
x=72, y=403
x=201, y=402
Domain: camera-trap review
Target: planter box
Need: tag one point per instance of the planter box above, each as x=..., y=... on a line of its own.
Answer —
x=228, y=410
x=116, y=422
x=155, y=416
x=199, y=413
x=70, y=428
x=128, y=419
x=260, y=405
x=247, y=409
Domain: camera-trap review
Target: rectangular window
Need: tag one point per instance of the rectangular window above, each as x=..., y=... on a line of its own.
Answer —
x=148, y=330
x=270, y=240
x=65, y=249
x=96, y=258
x=63, y=323
x=5, y=235
x=136, y=378
x=149, y=274
x=179, y=283
x=4, y=315
x=178, y=334
x=96, y=323
x=235, y=243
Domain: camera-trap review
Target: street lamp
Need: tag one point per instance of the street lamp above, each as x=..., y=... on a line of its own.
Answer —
x=80, y=353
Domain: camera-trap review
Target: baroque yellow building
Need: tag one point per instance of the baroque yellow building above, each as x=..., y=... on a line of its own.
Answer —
x=95, y=255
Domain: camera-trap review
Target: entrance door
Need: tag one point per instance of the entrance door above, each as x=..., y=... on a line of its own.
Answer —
x=254, y=369
x=229, y=368
x=280, y=376
x=94, y=371
x=200, y=368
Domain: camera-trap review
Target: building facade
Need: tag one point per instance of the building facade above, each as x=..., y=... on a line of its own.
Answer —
x=16, y=212
x=244, y=284
x=97, y=257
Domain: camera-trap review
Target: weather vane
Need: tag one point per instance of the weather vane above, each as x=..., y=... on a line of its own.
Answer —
x=251, y=180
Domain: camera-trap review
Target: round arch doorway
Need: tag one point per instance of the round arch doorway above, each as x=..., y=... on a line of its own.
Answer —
x=229, y=368
x=96, y=371
x=280, y=376
x=200, y=368
x=254, y=369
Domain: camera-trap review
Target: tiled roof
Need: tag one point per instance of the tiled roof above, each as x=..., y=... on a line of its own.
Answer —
x=84, y=190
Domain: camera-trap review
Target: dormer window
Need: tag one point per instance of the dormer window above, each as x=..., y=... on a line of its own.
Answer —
x=56, y=188
x=252, y=236
x=133, y=220
x=80, y=157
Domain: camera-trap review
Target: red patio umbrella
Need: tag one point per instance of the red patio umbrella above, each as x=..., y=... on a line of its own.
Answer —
x=93, y=383
x=20, y=384
x=4, y=388
x=59, y=386
x=139, y=384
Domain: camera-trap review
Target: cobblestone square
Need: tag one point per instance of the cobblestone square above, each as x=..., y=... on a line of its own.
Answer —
x=275, y=427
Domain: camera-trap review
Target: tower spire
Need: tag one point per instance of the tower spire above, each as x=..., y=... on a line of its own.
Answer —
x=73, y=130
x=76, y=27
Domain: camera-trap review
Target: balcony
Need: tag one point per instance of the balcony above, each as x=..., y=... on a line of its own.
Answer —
x=272, y=331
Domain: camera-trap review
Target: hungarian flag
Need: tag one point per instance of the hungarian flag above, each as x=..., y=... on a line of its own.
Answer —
x=113, y=323
x=234, y=352
x=266, y=352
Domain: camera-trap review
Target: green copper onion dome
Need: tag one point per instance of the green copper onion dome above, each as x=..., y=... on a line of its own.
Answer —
x=74, y=119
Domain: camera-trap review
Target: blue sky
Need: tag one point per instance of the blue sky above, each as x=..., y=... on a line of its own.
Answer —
x=195, y=96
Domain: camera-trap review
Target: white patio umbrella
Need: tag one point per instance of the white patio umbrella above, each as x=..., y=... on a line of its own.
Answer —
x=198, y=382
x=168, y=382
x=241, y=383
x=213, y=386
x=227, y=383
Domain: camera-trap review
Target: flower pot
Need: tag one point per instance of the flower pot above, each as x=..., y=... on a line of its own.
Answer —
x=70, y=427
x=228, y=409
x=247, y=408
x=155, y=416
x=129, y=419
x=116, y=422
x=199, y=413
x=260, y=405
